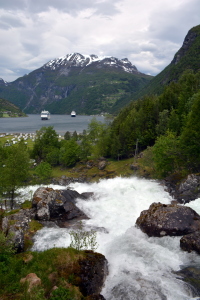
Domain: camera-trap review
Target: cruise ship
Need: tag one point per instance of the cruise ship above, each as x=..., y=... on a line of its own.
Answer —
x=73, y=113
x=45, y=115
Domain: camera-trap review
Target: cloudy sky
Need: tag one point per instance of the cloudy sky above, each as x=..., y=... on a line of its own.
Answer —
x=147, y=32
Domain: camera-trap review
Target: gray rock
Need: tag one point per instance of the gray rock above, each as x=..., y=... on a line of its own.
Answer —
x=17, y=224
x=186, y=190
x=191, y=242
x=172, y=219
x=58, y=205
x=189, y=189
x=93, y=271
x=102, y=164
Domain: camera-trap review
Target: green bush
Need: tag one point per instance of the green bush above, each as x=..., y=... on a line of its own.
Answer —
x=83, y=240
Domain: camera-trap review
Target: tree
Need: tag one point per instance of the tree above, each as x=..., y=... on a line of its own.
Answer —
x=44, y=171
x=189, y=139
x=162, y=122
x=75, y=135
x=67, y=135
x=85, y=147
x=167, y=154
x=2, y=165
x=94, y=130
x=46, y=141
x=69, y=153
x=15, y=171
x=52, y=156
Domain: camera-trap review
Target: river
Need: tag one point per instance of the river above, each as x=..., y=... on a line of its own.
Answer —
x=61, y=123
x=140, y=268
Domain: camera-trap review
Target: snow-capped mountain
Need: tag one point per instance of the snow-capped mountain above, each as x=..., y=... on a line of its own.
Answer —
x=82, y=61
x=87, y=84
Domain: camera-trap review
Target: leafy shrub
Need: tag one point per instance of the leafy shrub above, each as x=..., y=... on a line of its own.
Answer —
x=82, y=240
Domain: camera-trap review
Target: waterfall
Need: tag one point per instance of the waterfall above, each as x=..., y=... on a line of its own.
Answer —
x=140, y=268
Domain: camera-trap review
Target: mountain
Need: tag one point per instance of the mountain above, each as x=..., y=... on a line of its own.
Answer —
x=87, y=84
x=187, y=57
x=8, y=109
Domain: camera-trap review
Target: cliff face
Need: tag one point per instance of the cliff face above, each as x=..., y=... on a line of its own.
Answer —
x=187, y=57
x=187, y=44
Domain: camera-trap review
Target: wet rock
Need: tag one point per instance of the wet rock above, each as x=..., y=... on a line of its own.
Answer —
x=173, y=220
x=92, y=273
x=189, y=189
x=57, y=204
x=191, y=242
x=191, y=275
x=184, y=190
x=95, y=297
x=17, y=224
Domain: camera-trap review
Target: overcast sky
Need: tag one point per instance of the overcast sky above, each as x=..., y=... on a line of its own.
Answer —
x=147, y=32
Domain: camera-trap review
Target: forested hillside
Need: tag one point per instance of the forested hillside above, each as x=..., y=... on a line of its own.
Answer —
x=168, y=125
x=8, y=109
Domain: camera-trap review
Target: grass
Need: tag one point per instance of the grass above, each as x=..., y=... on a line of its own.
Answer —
x=93, y=174
x=9, y=137
x=54, y=267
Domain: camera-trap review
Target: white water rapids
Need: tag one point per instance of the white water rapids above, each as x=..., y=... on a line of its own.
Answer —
x=140, y=268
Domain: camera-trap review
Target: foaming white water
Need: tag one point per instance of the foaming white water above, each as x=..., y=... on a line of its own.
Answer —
x=140, y=268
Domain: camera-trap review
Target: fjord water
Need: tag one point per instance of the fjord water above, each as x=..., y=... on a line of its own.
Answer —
x=140, y=268
x=61, y=123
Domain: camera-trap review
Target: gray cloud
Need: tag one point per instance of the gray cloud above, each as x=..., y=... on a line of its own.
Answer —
x=147, y=33
x=106, y=7
x=8, y=21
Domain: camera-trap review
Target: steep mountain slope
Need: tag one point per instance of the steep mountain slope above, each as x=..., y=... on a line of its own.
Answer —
x=86, y=83
x=8, y=109
x=188, y=57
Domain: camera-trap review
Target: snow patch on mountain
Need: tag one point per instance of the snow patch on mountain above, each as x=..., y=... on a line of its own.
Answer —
x=80, y=60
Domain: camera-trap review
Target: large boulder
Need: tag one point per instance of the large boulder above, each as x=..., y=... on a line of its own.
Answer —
x=172, y=219
x=102, y=164
x=59, y=205
x=191, y=242
x=16, y=225
x=92, y=274
x=186, y=190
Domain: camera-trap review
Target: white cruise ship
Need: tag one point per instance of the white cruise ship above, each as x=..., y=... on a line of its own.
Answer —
x=45, y=115
x=73, y=113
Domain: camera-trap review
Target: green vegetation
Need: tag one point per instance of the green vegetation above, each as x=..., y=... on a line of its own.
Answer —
x=165, y=128
x=14, y=170
x=168, y=123
x=56, y=267
x=88, y=90
x=187, y=58
x=81, y=239
x=8, y=109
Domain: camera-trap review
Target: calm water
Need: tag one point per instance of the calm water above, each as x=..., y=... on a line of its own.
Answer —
x=61, y=123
